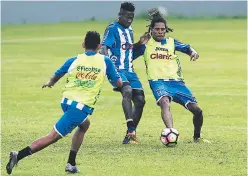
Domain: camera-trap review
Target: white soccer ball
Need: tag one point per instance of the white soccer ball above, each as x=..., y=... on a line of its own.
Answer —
x=169, y=137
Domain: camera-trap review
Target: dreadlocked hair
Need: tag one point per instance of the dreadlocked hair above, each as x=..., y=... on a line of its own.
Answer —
x=128, y=6
x=159, y=19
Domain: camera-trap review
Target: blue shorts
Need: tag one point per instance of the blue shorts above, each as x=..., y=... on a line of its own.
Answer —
x=74, y=114
x=131, y=78
x=176, y=90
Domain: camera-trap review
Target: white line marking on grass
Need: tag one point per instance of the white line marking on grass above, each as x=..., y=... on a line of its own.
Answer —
x=216, y=128
x=40, y=39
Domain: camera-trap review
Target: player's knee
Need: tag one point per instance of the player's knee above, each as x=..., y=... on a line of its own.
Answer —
x=139, y=98
x=198, y=112
x=195, y=109
x=139, y=101
x=85, y=126
x=54, y=136
x=127, y=92
x=164, y=102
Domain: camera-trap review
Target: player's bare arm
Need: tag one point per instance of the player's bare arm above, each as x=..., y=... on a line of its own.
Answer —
x=52, y=81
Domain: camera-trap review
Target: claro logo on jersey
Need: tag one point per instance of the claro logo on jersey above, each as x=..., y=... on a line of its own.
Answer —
x=161, y=56
x=127, y=46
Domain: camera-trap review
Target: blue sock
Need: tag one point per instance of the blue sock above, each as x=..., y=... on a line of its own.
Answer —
x=130, y=126
x=131, y=129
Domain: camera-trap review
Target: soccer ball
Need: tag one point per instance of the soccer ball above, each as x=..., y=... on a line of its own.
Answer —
x=169, y=137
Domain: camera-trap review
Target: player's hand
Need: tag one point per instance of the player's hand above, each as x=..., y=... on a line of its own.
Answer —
x=194, y=55
x=144, y=38
x=48, y=84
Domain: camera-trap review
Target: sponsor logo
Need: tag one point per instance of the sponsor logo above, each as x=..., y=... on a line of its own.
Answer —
x=86, y=76
x=127, y=46
x=93, y=69
x=161, y=56
x=161, y=49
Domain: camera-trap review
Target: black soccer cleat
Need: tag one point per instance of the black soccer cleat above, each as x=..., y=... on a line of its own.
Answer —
x=130, y=138
x=12, y=162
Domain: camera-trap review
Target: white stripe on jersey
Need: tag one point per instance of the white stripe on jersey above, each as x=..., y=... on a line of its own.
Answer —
x=72, y=66
x=109, y=53
x=122, y=52
x=130, y=51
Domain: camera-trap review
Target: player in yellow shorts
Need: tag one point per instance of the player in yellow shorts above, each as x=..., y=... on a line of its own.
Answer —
x=86, y=75
x=165, y=76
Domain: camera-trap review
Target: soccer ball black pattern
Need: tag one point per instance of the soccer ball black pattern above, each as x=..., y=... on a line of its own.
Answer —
x=169, y=137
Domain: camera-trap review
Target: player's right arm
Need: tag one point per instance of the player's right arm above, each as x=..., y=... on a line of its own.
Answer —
x=59, y=73
x=111, y=72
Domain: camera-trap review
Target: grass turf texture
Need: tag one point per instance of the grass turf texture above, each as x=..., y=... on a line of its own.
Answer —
x=31, y=53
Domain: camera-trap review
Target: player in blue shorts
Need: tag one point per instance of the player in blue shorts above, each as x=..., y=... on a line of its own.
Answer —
x=118, y=44
x=85, y=77
x=165, y=76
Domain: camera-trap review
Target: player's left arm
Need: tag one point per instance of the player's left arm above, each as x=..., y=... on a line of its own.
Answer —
x=187, y=49
x=59, y=73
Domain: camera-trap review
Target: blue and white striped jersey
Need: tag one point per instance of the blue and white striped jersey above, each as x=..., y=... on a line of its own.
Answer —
x=120, y=42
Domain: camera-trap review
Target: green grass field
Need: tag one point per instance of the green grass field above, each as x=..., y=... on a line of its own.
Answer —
x=31, y=53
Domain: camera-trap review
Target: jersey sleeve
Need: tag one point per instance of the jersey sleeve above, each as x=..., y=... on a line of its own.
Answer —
x=138, y=52
x=182, y=47
x=64, y=68
x=109, y=37
x=111, y=72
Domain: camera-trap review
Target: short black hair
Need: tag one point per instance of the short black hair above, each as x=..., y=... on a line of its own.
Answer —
x=160, y=20
x=92, y=40
x=128, y=6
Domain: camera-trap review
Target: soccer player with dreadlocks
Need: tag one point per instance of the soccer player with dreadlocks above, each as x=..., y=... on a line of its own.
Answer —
x=164, y=73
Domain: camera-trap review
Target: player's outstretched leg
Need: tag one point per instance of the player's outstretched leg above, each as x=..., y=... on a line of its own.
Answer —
x=197, y=121
x=77, y=141
x=36, y=146
x=164, y=104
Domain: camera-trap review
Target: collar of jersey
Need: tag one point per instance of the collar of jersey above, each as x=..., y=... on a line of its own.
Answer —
x=119, y=25
x=90, y=53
